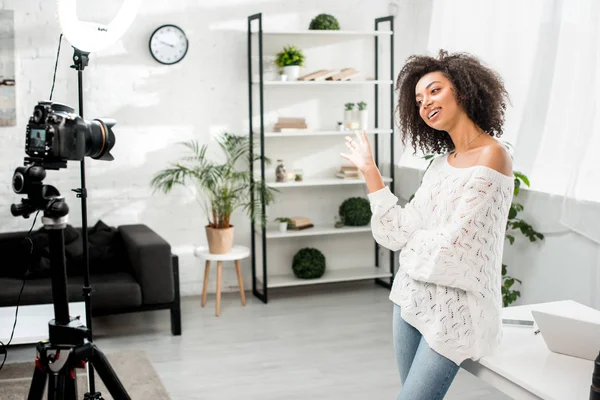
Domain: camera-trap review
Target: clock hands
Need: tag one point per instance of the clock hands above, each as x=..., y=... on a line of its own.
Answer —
x=165, y=43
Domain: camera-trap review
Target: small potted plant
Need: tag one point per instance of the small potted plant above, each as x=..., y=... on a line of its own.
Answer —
x=363, y=115
x=290, y=59
x=298, y=175
x=283, y=223
x=349, y=115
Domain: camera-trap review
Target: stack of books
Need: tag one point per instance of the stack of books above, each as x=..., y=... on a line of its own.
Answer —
x=344, y=74
x=348, y=172
x=299, y=223
x=287, y=124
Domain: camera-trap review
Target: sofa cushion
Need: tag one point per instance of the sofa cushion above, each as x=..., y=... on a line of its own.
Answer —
x=106, y=252
x=111, y=291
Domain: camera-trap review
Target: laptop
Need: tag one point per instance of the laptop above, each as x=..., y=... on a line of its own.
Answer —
x=569, y=336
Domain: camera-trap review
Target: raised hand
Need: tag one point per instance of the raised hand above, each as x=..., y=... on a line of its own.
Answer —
x=360, y=152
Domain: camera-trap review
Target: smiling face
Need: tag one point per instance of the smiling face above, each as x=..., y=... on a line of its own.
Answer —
x=436, y=102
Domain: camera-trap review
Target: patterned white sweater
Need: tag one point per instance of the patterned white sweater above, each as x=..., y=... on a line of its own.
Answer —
x=451, y=237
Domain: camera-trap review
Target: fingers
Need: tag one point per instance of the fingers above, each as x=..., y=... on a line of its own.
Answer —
x=346, y=156
x=350, y=143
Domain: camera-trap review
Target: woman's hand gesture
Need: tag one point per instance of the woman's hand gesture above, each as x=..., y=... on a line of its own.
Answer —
x=360, y=152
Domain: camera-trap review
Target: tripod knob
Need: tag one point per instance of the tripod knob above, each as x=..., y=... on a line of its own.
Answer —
x=57, y=208
x=21, y=209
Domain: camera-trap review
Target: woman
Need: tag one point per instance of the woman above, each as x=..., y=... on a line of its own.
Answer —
x=446, y=293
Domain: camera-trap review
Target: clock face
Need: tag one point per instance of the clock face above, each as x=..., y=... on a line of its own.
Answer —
x=168, y=44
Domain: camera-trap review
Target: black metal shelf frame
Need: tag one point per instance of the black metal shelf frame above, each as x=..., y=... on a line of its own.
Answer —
x=262, y=292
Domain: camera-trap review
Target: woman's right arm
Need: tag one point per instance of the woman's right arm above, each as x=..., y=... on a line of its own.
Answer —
x=393, y=225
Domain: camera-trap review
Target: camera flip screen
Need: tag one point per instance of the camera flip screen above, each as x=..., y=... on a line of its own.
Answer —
x=37, y=140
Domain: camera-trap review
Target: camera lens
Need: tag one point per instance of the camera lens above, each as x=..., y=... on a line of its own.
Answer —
x=100, y=139
x=18, y=182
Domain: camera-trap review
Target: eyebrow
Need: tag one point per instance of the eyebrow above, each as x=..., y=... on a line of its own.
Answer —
x=427, y=87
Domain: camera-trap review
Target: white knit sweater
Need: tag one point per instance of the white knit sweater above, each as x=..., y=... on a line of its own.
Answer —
x=451, y=237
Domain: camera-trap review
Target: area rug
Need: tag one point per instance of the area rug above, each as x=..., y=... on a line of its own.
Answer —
x=133, y=368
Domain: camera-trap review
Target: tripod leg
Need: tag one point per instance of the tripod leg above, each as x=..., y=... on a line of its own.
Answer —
x=71, y=386
x=107, y=374
x=38, y=384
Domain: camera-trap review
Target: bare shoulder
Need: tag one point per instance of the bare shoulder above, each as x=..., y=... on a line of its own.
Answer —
x=496, y=156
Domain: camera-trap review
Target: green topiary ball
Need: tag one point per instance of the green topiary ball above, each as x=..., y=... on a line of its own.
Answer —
x=308, y=263
x=324, y=22
x=356, y=211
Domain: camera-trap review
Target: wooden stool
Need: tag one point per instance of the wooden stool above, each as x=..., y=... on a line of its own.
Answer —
x=236, y=254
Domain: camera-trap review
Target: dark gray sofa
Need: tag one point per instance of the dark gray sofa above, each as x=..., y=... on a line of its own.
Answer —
x=134, y=271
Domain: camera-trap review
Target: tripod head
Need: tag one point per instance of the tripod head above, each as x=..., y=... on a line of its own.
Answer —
x=28, y=180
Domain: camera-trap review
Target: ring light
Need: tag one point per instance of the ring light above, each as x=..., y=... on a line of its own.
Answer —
x=93, y=36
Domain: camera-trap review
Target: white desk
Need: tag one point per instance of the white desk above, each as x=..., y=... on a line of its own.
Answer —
x=32, y=321
x=524, y=368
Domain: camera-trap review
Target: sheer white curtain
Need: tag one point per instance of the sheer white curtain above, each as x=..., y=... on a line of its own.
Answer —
x=547, y=51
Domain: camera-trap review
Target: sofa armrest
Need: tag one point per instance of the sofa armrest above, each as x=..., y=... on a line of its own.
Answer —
x=150, y=257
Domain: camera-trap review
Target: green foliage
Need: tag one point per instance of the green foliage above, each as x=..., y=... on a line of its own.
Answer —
x=349, y=106
x=283, y=219
x=222, y=187
x=509, y=295
x=290, y=55
x=324, y=22
x=513, y=225
x=308, y=263
x=355, y=211
x=362, y=106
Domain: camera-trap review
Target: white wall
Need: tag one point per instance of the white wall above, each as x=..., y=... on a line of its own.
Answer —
x=157, y=106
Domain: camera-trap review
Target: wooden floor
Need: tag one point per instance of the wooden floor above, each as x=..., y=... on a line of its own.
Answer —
x=322, y=342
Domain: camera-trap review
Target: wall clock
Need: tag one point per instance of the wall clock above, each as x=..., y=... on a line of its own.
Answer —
x=168, y=44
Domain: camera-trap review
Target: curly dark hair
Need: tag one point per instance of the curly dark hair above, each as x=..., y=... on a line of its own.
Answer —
x=478, y=89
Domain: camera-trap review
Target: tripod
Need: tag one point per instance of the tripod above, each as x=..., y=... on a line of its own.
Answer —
x=66, y=348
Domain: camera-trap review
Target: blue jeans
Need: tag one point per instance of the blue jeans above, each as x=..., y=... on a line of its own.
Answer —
x=425, y=374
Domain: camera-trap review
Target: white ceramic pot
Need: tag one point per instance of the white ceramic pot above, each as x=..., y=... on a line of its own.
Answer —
x=363, y=117
x=292, y=72
x=349, y=118
x=283, y=226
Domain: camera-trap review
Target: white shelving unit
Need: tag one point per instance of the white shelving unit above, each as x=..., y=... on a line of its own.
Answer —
x=324, y=133
x=321, y=182
x=268, y=43
x=317, y=230
x=330, y=276
x=327, y=83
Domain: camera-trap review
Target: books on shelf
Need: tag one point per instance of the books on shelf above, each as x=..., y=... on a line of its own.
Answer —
x=288, y=124
x=343, y=74
x=348, y=172
x=299, y=223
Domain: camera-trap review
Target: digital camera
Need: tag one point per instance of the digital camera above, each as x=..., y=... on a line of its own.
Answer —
x=55, y=134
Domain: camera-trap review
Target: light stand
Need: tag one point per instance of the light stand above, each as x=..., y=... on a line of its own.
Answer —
x=66, y=349
x=81, y=59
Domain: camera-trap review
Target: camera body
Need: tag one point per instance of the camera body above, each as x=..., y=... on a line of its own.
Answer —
x=55, y=134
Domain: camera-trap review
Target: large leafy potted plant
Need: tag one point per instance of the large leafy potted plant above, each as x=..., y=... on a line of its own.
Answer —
x=222, y=187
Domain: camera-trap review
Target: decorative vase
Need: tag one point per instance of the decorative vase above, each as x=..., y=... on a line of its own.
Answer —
x=363, y=117
x=348, y=118
x=280, y=172
x=292, y=72
x=220, y=241
x=283, y=226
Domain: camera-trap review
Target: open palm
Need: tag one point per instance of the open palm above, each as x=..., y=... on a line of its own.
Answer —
x=360, y=152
